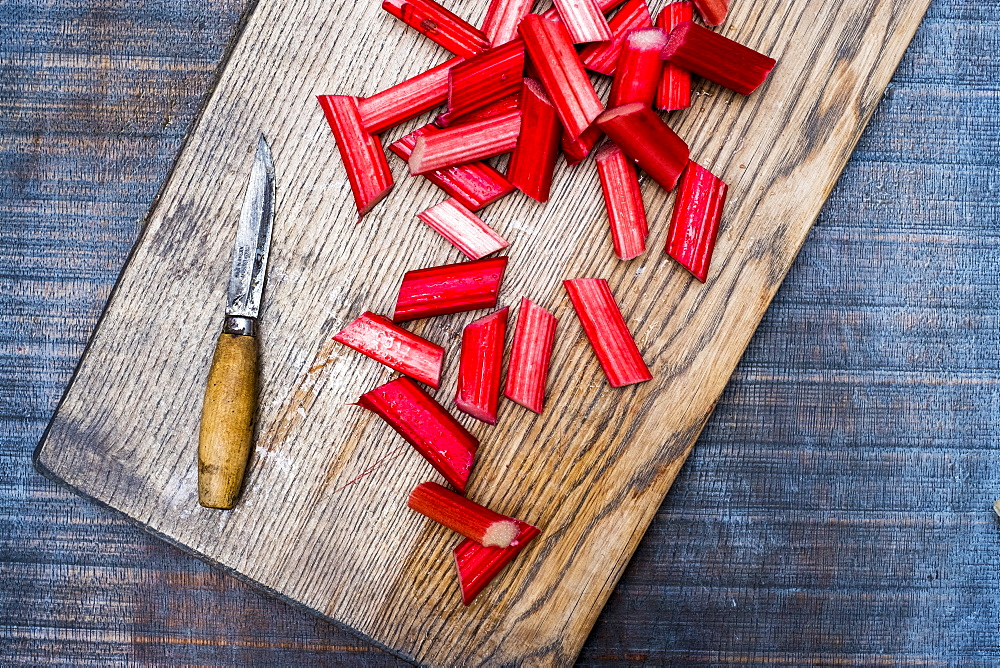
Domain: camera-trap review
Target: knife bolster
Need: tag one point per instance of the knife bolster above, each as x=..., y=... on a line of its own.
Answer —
x=240, y=325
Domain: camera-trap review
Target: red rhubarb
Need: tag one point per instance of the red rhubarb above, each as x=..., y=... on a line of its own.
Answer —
x=462, y=144
x=674, y=91
x=449, y=288
x=427, y=426
x=584, y=20
x=479, y=366
x=577, y=149
x=502, y=106
x=486, y=78
x=383, y=341
x=534, y=158
x=623, y=200
x=462, y=516
x=473, y=185
x=637, y=74
x=362, y=153
x=530, y=354
x=717, y=58
x=478, y=565
x=644, y=137
x=694, y=225
x=440, y=25
x=602, y=56
x=463, y=228
x=502, y=19
x=562, y=74
x=713, y=12
x=408, y=99
x=606, y=329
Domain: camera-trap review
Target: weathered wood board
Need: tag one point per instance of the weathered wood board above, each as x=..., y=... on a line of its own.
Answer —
x=323, y=519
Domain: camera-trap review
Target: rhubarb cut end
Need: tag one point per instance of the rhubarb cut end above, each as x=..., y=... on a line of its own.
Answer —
x=501, y=534
x=475, y=411
x=478, y=565
x=416, y=158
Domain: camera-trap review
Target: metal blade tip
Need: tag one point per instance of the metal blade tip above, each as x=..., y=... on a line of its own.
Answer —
x=264, y=155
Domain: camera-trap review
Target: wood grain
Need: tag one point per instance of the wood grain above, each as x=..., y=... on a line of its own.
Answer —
x=319, y=279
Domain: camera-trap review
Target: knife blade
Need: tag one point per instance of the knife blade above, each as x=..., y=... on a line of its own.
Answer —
x=231, y=391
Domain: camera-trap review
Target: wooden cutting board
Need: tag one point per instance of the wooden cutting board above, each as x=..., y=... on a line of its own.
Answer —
x=323, y=520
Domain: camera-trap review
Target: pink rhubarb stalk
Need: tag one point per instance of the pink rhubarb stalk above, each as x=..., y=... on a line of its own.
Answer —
x=427, y=426
x=674, y=91
x=534, y=158
x=408, y=99
x=383, y=341
x=463, y=516
x=637, y=75
x=623, y=200
x=644, y=137
x=449, y=288
x=361, y=151
x=717, y=58
x=607, y=6
x=486, y=78
x=584, y=20
x=478, y=565
x=602, y=56
x=713, y=12
x=478, y=392
x=440, y=25
x=561, y=73
x=462, y=144
x=530, y=355
x=577, y=149
x=473, y=185
x=694, y=225
x=464, y=229
x=606, y=329
x=502, y=19
x=502, y=106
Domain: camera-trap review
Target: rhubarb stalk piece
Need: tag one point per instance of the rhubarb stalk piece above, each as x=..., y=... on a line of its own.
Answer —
x=717, y=58
x=530, y=355
x=602, y=56
x=408, y=99
x=486, y=78
x=637, y=74
x=644, y=137
x=534, y=158
x=361, y=151
x=607, y=6
x=561, y=73
x=439, y=25
x=464, y=229
x=502, y=19
x=427, y=426
x=577, y=149
x=462, y=144
x=479, y=366
x=504, y=105
x=623, y=200
x=478, y=565
x=473, y=185
x=674, y=91
x=449, y=288
x=713, y=12
x=605, y=328
x=383, y=341
x=584, y=20
x=465, y=517
x=694, y=225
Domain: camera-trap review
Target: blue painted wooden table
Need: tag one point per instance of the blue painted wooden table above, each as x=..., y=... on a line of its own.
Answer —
x=836, y=509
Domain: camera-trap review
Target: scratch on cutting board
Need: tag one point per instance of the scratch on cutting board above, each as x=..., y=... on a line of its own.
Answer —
x=371, y=469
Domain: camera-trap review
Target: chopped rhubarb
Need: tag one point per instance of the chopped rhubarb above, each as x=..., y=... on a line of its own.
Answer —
x=502, y=18
x=473, y=185
x=623, y=200
x=486, y=78
x=440, y=25
x=584, y=20
x=534, y=158
x=462, y=144
x=577, y=149
x=449, y=288
x=478, y=565
x=479, y=366
x=637, y=74
x=530, y=354
x=562, y=74
x=674, y=91
x=427, y=426
x=606, y=329
x=408, y=99
x=717, y=58
x=464, y=229
x=502, y=106
x=694, y=225
x=463, y=516
x=602, y=56
x=383, y=341
x=644, y=137
x=361, y=151
x=713, y=12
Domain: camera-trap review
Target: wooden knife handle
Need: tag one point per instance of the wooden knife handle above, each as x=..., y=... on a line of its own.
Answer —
x=227, y=421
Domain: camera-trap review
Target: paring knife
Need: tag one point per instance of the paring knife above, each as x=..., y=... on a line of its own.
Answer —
x=231, y=394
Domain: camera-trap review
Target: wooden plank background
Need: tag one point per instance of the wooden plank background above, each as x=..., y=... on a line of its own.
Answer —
x=820, y=455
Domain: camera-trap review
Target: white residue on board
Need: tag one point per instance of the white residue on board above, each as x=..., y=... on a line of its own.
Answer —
x=522, y=227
